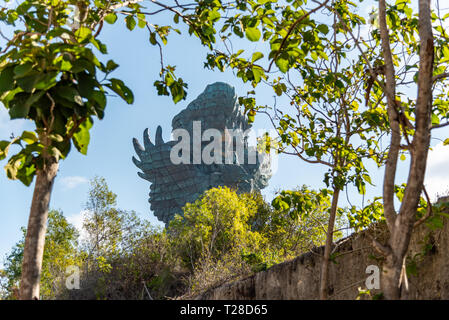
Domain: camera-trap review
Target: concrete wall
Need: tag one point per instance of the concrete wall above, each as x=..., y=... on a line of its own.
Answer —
x=299, y=278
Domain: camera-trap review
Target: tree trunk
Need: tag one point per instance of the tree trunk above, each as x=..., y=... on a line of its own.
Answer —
x=401, y=224
x=391, y=272
x=328, y=246
x=37, y=227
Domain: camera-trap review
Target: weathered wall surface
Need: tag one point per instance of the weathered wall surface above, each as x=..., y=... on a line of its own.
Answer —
x=299, y=278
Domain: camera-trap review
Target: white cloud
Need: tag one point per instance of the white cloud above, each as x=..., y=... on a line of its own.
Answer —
x=8, y=126
x=77, y=221
x=73, y=181
x=437, y=174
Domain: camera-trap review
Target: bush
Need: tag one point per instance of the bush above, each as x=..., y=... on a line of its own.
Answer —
x=215, y=225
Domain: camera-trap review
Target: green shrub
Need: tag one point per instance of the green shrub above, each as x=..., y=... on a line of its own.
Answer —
x=215, y=225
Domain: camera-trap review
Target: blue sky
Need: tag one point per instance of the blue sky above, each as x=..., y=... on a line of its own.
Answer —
x=111, y=149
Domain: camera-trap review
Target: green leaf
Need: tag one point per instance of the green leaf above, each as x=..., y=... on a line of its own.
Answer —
x=83, y=33
x=445, y=54
x=130, y=22
x=83, y=64
x=22, y=69
x=70, y=94
x=21, y=166
x=256, y=56
x=86, y=84
x=443, y=214
x=99, y=98
x=57, y=137
x=153, y=40
x=141, y=21
x=367, y=178
x=58, y=32
x=177, y=89
x=65, y=65
x=111, y=66
x=435, y=222
x=23, y=7
x=435, y=119
x=446, y=142
x=33, y=98
x=253, y=34
x=323, y=28
x=28, y=83
x=4, y=148
x=6, y=79
x=18, y=108
x=258, y=73
x=26, y=172
x=8, y=96
x=55, y=152
x=45, y=82
x=81, y=138
x=111, y=18
x=29, y=137
x=11, y=168
x=99, y=45
x=282, y=64
x=123, y=91
x=251, y=115
x=280, y=204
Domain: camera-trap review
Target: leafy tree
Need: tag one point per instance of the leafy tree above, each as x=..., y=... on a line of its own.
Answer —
x=309, y=58
x=111, y=236
x=214, y=225
x=102, y=221
x=300, y=221
x=50, y=74
x=396, y=63
x=108, y=229
x=60, y=252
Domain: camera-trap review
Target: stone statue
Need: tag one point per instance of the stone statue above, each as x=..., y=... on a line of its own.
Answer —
x=175, y=183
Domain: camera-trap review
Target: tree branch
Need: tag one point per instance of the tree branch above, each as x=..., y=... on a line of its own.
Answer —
x=393, y=116
x=429, y=209
x=440, y=76
x=292, y=27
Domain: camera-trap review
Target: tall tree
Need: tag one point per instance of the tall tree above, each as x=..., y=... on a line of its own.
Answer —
x=103, y=221
x=396, y=64
x=416, y=133
x=311, y=62
x=48, y=75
